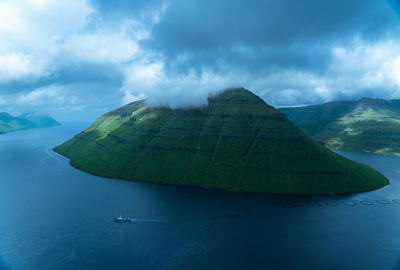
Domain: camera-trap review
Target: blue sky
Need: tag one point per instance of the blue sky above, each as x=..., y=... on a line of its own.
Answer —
x=77, y=59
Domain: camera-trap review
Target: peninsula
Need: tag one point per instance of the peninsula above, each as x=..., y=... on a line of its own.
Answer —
x=25, y=121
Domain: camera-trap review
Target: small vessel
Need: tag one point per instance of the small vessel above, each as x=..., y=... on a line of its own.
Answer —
x=121, y=219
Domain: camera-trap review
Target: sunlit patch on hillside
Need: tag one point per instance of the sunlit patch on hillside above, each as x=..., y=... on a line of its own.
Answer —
x=335, y=143
x=387, y=151
x=137, y=113
x=106, y=125
x=361, y=114
x=143, y=114
x=351, y=131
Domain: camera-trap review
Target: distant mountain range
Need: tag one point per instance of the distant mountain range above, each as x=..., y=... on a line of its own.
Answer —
x=365, y=125
x=237, y=142
x=25, y=121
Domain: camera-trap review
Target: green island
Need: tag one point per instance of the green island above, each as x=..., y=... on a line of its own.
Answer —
x=237, y=142
x=371, y=125
x=25, y=121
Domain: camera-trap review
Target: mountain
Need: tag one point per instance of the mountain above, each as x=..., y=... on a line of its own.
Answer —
x=365, y=125
x=24, y=121
x=40, y=120
x=237, y=142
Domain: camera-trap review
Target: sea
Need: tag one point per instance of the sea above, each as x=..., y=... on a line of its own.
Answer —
x=53, y=216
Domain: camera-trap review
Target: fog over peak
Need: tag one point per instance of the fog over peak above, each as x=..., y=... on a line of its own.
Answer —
x=80, y=58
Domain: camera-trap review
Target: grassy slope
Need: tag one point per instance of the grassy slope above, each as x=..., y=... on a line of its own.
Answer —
x=237, y=143
x=25, y=121
x=366, y=125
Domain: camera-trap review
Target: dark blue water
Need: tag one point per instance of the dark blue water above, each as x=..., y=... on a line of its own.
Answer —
x=53, y=216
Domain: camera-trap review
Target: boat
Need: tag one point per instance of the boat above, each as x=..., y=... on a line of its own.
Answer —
x=121, y=219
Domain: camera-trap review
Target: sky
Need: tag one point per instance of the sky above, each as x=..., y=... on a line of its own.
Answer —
x=77, y=59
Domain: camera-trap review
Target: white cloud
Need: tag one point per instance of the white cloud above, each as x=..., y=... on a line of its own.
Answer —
x=14, y=66
x=392, y=68
x=38, y=36
x=367, y=66
x=101, y=47
x=130, y=97
x=151, y=81
x=49, y=95
x=29, y=31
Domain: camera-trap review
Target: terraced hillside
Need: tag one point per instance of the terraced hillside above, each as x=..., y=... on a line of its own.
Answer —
x=25, y=121
x=365, y=125
x=237, y=142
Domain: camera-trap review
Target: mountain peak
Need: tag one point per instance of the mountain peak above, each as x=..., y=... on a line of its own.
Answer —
x=5, y=117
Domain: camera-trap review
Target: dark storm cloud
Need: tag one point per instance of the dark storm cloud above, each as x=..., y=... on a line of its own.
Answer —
x=285, y=33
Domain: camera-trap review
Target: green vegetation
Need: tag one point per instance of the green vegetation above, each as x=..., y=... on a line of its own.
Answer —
x=237, y=142
x=365, y=125
x=24, y=121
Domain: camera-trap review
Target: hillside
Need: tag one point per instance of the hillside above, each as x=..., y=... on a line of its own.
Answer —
x=24, y=121
x=365, y=125
x=237, y=142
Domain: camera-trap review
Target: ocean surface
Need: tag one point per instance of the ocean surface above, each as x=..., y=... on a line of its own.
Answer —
x=53, y=216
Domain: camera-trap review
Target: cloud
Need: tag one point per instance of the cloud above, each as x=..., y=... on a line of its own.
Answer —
x=101, y=47
x=99, y=54
x=151, y=81
x=284, y=33
x=30, y=31
x=15, y=66
x=367, y=67
x=356, y=70
x=288, y=52
x=52, y=34
x=50, y=95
